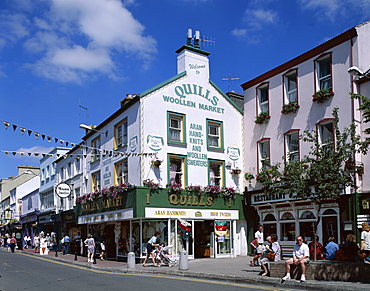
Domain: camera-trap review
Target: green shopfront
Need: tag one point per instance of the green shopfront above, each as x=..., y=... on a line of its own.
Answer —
x=205, y=226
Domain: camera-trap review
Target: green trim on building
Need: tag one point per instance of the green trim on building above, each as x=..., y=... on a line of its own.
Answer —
x=225, y=96
x=191, y=48
x=221, y=124
x=160, y=85
x=183, y=128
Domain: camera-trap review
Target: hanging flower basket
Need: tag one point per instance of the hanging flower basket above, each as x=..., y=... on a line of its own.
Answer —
x=248, y=176
x=156, y=162
x=235, y=171
x=290, y=107
x=262, y=118
x=322, y=95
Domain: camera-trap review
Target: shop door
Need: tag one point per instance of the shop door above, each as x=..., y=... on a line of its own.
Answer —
x=204, y=239
x=223, y=240
x=111, y=245
x=329, y=228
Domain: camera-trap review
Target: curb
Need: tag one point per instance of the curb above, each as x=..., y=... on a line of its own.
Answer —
x=257, y=280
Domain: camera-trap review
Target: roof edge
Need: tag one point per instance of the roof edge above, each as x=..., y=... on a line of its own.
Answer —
x=225, y=96
x=191, y=48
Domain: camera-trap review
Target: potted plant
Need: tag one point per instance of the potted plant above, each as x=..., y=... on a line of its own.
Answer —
x=262, y=118
x=290, y=107
x=235, y=171
x=156, y=162
x=322, y=95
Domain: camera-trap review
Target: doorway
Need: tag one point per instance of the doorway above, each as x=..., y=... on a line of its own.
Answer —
x=204, y=238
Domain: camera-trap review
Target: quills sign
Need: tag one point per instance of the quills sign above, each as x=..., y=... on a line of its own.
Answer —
x=63, y=190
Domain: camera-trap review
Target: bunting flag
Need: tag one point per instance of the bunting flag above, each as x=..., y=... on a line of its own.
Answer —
x=6, y=124
x=23, y=130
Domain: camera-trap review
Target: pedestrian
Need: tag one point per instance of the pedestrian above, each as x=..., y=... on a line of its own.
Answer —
x=260, y=246
x=36, y=242
x=301, y=255
x=103, y=246
x=319, y=249
x=365, y=241
x=13, y=242
x=254, y=244
x=8, y=243
x=350, y=248
x=153, y=242
x=77, y=242
x=330, y=248
x=274, y=248
x=43, y=245
x=48, y=241
x=66, y=243
x=90, y=243
x=25, y=244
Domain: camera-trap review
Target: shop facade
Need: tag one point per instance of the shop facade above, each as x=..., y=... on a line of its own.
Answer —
x=207, y=227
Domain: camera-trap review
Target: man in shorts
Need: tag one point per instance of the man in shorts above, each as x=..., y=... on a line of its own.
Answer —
x=301, y=255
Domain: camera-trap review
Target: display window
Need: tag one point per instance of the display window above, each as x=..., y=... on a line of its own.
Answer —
x=287, y=226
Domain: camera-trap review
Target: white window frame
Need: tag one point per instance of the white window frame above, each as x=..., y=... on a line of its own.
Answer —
x=288, y=92
x=95, y=151
x=95, y=183
x=289, y=154
x=321, y=126
x=121, y=134
x=328, y=77
x=124, y=174
x=263, y=106
x=261, y=143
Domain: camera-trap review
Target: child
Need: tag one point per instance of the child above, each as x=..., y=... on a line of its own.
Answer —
x=254, y=245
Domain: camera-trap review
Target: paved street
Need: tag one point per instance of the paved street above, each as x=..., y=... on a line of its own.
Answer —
x=20, y=271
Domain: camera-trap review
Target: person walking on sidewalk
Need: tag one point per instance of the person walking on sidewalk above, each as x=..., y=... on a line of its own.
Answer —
x=90, y=243
x=365, y=241
x=260, y=247
x=301, y=255
x=153, y=242
x=66, y=243
x=13, y=242
x=103, y=246
x=36, y=242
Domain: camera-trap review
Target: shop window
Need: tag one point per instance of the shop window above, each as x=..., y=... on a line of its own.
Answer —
x=329, y=212
x=216, y=172
x=307, y=215
x=136, y=246
x=176, y=128
x=78, y=165
x=95, y=151
x=323, y=72
x=214, y=134
x=77, y=192
x=287, y=228
x=223, y=237
x=269, y=229
x=292, y=145
x=290, y=87
x=307, y=230
x=177, y=170
x=149, y=227
x=95, y=182
x=263, y=153
x=120, y=134
x=263, y=98
x=124, y=242
x=121, y=172
x=326, y=133
x=270, y=217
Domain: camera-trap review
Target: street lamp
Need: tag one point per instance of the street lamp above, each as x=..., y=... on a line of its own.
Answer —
x=89, y=127
x=355, y=71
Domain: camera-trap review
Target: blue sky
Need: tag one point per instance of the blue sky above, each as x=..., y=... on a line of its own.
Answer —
x=58, y=54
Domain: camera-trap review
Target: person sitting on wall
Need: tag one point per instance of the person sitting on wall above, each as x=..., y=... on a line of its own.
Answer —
x=350, y=248
x=275, y=248
x=330, y=248
x=319, y=249
x=300, y=257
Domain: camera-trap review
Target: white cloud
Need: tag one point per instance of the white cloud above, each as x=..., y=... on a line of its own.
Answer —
x=36, y=149
x=257, y=18
x=328, y=7
x=79, y=39
x=239, y=32
x=13, y=27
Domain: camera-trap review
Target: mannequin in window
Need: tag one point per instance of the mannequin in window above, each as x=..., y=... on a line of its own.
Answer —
x=212, y=177
x=173, y=169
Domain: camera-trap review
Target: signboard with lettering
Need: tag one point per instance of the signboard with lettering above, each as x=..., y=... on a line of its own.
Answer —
x=63, y=190
x=262, y=198
x=154, y=212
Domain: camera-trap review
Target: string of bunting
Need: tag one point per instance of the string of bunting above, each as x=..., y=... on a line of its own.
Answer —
x=37, y=135
x=43, y=155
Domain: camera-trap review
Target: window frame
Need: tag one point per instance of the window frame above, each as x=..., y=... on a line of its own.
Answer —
x=95, y=151
x=262, y=86
x=182, y=117
x=93, y=189
x=319, y=131
x=184, y=175
x=286, y=144
x=122, y=122
x=124, y=177
x=259, y=159
x=318, y=79
x=220, y=135
x=222, y=174
x=286, y=86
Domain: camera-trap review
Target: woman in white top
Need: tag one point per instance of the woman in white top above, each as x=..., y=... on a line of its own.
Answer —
x=153, y=242
x=274, y=247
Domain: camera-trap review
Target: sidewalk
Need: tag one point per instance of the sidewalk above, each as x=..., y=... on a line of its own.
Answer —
x=225, y=269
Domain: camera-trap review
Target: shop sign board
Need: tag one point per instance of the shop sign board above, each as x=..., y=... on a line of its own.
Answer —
x=361, y=218
x=154, y=212
x=106, y=216
x=63, y=190
x=262, y=198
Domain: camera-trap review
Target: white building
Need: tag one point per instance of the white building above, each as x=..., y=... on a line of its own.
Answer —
x=323, y=67
x=185, y=131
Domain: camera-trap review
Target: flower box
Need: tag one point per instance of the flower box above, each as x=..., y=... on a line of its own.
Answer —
x=235, y=171
x=322, y=95
x=262, y=118
x=290, y=107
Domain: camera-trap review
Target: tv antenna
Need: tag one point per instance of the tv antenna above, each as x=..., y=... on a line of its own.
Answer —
x=197, y=41
x=229, y=80
x=85, y=108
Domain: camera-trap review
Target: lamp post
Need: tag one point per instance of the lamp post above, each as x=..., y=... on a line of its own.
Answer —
x=355, y=71
x=89, y=127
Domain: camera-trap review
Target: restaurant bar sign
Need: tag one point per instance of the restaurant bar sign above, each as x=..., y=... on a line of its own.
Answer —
x=63, y=190
x=261, y=198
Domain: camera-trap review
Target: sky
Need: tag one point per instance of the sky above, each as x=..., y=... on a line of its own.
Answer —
x=58, y=55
